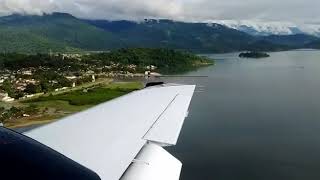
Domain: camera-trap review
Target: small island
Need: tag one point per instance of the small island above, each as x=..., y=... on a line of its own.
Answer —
x=253, y=54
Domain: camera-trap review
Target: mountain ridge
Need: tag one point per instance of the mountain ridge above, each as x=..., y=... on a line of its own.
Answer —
x=62, y=32
x=257, y=28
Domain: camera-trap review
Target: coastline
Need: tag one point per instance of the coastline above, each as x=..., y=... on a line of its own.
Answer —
x=125, y=81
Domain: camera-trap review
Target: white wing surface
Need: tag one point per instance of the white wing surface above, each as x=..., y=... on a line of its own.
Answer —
x=123, y=138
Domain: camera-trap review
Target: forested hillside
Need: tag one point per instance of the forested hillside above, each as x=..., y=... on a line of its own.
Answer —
x=198, y=37
x=60, y=32
x=56, y=32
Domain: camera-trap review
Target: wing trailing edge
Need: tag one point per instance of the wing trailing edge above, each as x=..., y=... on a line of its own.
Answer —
x=167, y=128
x=153, y=163
x=109, y=139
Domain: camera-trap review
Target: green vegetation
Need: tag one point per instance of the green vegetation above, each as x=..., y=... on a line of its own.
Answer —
x=8, y=88
x=15, y=61
x=314, y=44
x=48, y=108
x=17, y=112
x=254, y=54
x=91, y=96
x=19, y=40
x=195, y=37
x=167, y=61
x=46, y=82
x=59, y=32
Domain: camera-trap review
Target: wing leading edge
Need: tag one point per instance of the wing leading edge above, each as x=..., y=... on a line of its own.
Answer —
x=113, y=138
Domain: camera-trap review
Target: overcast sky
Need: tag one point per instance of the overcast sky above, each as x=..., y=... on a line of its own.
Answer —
x=302, y=11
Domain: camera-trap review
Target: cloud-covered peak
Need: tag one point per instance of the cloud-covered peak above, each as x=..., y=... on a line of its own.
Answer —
x=96, y=9
x=271, y=27
x=37, y=7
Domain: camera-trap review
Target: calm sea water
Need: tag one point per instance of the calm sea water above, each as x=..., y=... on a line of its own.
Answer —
x=254, y=119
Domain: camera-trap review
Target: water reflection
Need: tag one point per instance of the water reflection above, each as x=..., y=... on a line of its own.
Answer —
x=254, y=119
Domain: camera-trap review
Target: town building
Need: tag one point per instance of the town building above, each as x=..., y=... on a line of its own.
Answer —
x=5, y=97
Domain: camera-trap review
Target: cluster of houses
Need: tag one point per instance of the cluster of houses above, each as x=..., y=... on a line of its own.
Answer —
x=72, y=56
x=5, y=77
x=20, y=82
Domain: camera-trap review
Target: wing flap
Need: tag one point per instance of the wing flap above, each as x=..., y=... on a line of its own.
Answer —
x=153, y=162
x=166, y=129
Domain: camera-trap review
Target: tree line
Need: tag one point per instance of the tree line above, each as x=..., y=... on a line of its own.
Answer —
x=167, y=60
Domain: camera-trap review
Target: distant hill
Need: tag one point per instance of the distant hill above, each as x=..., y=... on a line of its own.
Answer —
x=266, y=45
x=297, y=40
x=20, y=40
x=314, y=44
x=262, y=28
x=60, y=32
x=57, y=32
x=178, y=35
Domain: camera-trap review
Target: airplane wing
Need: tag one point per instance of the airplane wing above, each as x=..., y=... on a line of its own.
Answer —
x=124, y=138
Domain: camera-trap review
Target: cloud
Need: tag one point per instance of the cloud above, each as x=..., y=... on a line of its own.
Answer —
x=187, y=10
x=269, y=10
x=26, y=6
x=97, y=9
x=128, y=9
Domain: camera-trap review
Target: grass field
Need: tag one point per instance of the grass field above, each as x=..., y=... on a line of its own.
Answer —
x=92, y=96
x=57, y=106
x=5, y=104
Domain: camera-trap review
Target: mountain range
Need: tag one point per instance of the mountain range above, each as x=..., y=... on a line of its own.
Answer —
x=61, y=32
x=258, y=28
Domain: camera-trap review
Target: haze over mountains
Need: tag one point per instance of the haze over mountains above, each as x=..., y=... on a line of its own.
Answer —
x=263, y=28
x=61, y=32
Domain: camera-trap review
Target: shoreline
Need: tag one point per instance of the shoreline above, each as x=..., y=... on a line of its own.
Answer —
x=26, y=123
